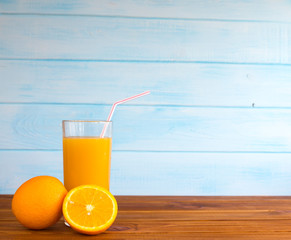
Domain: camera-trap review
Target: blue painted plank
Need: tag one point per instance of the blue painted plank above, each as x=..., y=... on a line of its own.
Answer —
x=132, y=173
x=191, y=84
x=259, y=10
x=151, y=128
x=60, y=37
x=17, y=167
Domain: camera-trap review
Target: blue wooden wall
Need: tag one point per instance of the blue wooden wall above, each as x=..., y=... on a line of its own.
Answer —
x=218, y=121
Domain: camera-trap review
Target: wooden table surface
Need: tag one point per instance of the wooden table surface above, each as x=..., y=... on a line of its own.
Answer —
x=175, y=217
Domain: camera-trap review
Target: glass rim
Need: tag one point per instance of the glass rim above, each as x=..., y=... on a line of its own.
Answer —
x=89, y=121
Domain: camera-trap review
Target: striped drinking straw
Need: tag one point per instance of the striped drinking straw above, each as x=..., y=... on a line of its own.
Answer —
x=117, y=103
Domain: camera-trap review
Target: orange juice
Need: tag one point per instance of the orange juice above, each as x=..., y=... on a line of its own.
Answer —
x=86, y=161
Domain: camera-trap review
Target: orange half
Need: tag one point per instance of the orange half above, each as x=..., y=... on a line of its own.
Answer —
x=90, y=209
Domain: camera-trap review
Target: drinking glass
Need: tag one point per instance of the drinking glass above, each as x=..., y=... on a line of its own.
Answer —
x=87, y=153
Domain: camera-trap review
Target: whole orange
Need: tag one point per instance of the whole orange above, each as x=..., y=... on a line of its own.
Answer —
x=37, y=203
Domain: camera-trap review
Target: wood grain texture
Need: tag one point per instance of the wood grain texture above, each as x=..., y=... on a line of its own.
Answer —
x=199, y=9
x=155, y=217
x=217, y=121
x=152, y=128
x=187, y=84
x=103, y=38
x=175, y=173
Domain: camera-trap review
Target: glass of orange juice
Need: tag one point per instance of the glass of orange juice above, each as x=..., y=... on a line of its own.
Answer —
x=86, y=153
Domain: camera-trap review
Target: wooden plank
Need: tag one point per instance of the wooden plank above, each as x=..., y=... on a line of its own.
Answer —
x=171, y=226
x=164, y=227
x=78, y=37
x=188, y=215
x=17, y=167
x=222, y=10
x=62, y=233
x=193, y=174
x=171, y=83
x=152, y=128
x=260, y=226
x=204, y=204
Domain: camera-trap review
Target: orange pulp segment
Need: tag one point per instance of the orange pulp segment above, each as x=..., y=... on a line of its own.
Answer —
x=90, y=209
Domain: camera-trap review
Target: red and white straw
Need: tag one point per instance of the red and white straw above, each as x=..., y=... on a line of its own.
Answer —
x=120, y=102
